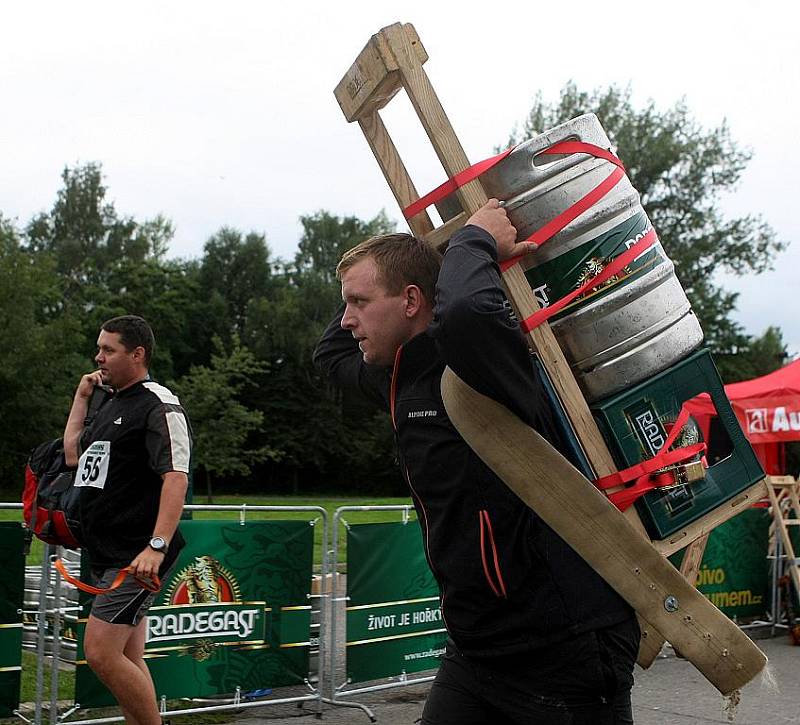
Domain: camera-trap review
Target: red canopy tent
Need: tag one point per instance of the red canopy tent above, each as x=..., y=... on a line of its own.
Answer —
x=768, y=409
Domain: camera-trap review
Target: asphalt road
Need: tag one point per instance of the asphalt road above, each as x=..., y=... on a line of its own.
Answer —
x=671, y=692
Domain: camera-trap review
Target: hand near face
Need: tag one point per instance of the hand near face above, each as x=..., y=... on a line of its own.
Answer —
x=87, y=384
x=492, y=217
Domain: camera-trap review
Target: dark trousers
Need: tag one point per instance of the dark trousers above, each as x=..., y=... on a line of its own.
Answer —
x=586, y=680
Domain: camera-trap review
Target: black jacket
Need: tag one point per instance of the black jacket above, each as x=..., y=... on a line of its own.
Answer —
x=507, y=581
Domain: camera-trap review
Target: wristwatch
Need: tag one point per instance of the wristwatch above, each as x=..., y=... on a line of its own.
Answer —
x=158, y=543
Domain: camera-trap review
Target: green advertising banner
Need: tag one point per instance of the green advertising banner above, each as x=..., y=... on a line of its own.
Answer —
x=234, y=613
x=12, y=585
x=394, y=624
x=735, y=573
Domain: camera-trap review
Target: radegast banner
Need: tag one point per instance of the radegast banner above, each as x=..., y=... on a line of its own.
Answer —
x=12, y=585
x=234, y=612
x=735, y=572
x=394, y=623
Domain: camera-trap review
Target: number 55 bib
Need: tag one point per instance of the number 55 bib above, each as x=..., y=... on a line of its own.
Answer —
x=93, y=465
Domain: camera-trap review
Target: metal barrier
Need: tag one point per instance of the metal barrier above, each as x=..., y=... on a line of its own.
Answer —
x=338, y=596
x=50, y=604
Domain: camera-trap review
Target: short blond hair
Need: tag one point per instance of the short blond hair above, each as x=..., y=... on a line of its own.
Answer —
x=401, y=259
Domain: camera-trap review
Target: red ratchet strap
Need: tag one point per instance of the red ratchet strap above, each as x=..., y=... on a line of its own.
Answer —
x=152, y=586
x=643, y=472
x=552, y=227
x=617, y=265
x=555, y=225
x=449, y=186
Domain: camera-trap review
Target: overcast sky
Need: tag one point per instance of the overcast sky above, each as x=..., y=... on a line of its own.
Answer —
x=223, y=113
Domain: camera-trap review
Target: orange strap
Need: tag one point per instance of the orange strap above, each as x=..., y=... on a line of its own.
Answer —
x=151, y=585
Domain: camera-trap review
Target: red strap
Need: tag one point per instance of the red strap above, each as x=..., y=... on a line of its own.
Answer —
x=643, y=471
x=152, y=586
x=552, y=227
x=616, y=266
x=649, y=482
x=460, y=179
x=540, y=236
x=651, y=464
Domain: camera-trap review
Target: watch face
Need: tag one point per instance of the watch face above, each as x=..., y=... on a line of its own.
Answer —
x=158, y=543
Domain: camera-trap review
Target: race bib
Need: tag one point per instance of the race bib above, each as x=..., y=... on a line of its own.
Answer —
x=93, y=465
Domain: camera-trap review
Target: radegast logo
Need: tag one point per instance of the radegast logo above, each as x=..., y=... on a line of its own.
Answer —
x=652, y=432
x=205, y=611
x=648, y=428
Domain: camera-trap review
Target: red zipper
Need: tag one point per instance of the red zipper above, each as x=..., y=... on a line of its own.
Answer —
x=499, y=588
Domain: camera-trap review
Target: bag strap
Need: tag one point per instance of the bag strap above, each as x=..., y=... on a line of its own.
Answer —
x=151, y=585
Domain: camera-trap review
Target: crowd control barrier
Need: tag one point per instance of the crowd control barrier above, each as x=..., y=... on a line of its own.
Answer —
x=393, y=625
x=232, y=620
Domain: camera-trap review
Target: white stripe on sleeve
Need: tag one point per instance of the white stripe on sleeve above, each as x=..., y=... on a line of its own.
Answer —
x=179, y=441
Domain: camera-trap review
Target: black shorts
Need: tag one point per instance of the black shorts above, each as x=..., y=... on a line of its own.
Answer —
x=129, y=602
x=125, y=604
x=583, y=681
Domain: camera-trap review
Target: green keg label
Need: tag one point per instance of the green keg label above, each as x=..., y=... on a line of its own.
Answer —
x=552, y=280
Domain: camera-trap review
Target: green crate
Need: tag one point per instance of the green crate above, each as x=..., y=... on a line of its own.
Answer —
x=636, y=422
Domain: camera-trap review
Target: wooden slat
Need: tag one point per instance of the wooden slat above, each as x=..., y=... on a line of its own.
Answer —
x=711, y=520
x=783, y=531
x=394, y=171
x=432, y=116
x=372, y=81
x=439, y=237
x=597, y=531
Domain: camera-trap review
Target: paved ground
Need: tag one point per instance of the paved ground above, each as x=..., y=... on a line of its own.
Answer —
x=671, y=692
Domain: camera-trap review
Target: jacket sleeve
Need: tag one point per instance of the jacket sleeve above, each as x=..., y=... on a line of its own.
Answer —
x=338, y=357
x=477, y=335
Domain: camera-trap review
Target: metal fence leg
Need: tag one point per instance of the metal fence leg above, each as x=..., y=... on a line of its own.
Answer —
x=56, y=649
x=41, y=634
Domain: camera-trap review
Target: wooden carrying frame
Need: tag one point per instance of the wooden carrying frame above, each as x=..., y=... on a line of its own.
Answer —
x=393, y=59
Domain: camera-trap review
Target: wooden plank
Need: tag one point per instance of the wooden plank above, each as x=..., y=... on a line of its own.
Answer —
x=597, y=531
x=394, y=171
x=690, y=567
x=372, y=81
x=434, y=120
x=711, y=520
x=439, y=237
x=786, y=540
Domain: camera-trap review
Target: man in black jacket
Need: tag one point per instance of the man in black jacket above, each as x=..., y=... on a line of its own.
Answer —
x=535, y=635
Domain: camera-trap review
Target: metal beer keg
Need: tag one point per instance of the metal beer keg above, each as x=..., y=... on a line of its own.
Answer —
x=636, y=324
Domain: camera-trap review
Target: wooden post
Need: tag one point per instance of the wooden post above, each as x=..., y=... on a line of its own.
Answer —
x=393, y=59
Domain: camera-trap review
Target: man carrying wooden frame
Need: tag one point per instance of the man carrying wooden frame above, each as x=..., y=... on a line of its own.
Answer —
x=535, y=634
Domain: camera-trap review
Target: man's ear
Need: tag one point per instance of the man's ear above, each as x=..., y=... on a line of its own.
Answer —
x=415, y=300
x=138, y=354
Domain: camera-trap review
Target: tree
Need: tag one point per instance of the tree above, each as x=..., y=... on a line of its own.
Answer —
x=40, y=363
x=222, y=424
x=88, y=239
x=235, y=269
x=681, y=170
x=305, y=419
x=762, y=355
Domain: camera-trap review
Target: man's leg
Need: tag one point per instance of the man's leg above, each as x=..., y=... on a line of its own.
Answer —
x=107, y=647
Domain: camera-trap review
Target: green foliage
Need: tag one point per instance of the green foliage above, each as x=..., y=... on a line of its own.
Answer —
x=681, y=171
x=222, y=424
x=39, y=360
x=760, y=356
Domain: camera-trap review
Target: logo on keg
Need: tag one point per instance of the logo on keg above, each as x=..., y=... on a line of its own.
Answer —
x=204, y=611
x=757, y=420
x=594, y=268
x=648, y=428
